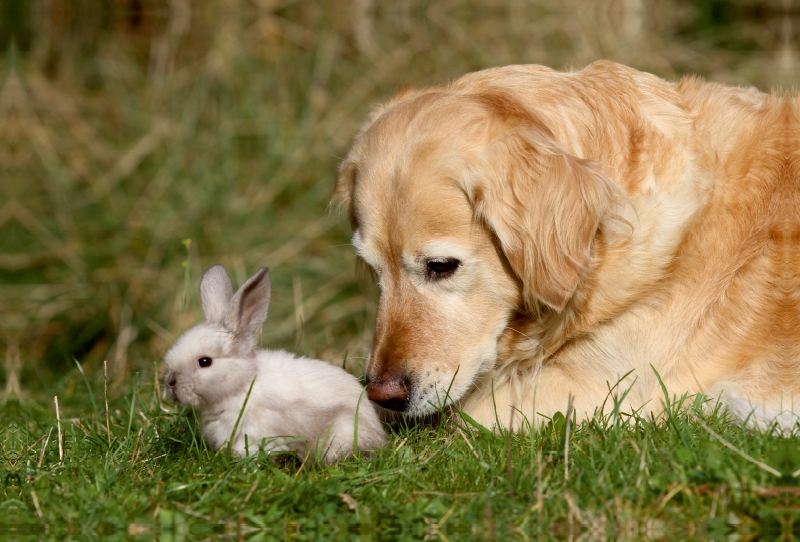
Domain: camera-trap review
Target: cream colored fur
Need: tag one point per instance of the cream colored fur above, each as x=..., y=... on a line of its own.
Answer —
x=607, y=223
x=300, y=404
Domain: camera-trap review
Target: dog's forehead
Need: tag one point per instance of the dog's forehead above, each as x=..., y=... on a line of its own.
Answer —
x=405, y=191
x=405, y=215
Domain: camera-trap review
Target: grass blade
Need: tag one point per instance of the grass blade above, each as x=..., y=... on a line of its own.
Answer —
x=239, y=417
x=760, y=464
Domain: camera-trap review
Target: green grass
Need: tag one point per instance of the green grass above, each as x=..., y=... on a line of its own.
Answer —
x=137, y=150
x=447, y=478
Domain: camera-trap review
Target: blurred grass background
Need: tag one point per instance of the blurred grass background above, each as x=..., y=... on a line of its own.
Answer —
x=143, y=140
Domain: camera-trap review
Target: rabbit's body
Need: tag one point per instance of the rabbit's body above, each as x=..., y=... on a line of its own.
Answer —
x=296, y=403
x=283, y=411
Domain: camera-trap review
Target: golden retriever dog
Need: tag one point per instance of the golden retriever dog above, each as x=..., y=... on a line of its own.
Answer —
x=537, y=235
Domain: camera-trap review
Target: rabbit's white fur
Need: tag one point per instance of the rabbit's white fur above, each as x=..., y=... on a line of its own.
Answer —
x=296, y=403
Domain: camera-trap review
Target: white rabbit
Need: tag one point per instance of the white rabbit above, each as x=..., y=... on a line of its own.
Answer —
x=300, y=404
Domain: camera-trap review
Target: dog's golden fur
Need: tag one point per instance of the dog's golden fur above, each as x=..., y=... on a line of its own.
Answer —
x=602, y=221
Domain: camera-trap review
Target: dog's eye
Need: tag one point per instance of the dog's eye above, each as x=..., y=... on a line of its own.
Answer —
x=204, y=361
x=442, y=268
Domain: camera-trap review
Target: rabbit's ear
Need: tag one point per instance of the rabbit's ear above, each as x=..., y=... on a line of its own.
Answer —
x=248, y=308
x=215, y=293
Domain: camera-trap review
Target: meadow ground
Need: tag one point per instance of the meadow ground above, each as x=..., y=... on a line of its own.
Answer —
x=142, y=141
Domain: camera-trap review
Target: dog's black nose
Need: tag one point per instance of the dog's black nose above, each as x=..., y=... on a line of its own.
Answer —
x=390, y=393
x=171, y=381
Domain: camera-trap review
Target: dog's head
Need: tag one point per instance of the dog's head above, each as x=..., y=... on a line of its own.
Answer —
x=469, y=213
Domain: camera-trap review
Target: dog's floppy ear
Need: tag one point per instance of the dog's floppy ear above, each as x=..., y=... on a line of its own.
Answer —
x=545, y=206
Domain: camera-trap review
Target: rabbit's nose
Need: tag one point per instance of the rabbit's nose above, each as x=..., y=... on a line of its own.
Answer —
x=391, y=393
x=171, y=380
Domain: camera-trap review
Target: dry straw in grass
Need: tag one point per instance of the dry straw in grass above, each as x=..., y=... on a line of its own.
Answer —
x=60, y=437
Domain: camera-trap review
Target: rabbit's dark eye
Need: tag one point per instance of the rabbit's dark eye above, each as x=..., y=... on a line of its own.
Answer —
x=204, y=361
